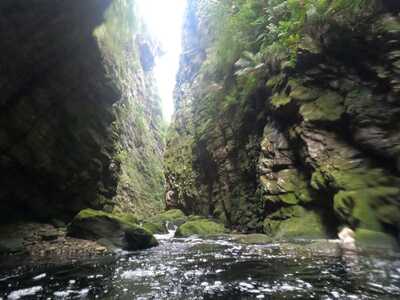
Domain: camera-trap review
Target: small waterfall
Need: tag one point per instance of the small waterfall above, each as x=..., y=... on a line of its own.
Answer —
x=171, y=232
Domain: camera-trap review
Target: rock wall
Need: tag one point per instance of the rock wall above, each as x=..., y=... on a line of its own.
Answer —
x=79, y=115
x=293, y=146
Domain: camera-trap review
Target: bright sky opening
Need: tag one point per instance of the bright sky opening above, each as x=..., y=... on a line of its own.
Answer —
x=164, y=19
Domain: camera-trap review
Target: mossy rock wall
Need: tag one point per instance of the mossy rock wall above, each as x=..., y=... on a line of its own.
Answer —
x=316, y=127
x=80, y=121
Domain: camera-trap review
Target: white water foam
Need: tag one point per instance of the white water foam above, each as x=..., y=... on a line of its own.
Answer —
x=18, y=294
x=171, y=232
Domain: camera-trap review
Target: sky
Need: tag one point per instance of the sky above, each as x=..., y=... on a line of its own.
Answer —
x=164, y=19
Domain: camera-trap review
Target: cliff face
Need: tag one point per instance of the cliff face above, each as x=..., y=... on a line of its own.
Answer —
x=79, y=116
x=294, y=130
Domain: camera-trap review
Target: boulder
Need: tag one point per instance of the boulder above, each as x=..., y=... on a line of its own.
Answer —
x=368, y=208
x=370, y=239
x=95, y=225
x=295, y=222
x=202, y=227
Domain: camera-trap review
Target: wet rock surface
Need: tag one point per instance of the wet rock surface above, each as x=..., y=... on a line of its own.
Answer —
x=111, y=229
x=43, y=243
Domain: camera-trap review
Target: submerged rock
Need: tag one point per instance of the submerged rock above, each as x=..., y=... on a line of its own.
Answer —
x=202, y=227
x=95, y=225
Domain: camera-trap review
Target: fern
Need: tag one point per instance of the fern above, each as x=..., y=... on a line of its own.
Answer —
x=255, y=35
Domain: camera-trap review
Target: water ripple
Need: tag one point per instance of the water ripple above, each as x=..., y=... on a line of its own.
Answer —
x=212, y=269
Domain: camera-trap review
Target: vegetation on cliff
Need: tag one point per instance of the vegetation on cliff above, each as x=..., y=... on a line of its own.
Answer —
x=285, y=101
x=128, y=51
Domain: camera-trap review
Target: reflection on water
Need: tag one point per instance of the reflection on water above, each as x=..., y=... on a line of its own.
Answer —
x=211, y=269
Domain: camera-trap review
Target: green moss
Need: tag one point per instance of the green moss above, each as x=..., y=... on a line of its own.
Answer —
x=309, y=226
x=113, y=229
x=275, y=81
x=92, y=213
x=155, y=228
x=293, y=186
x=178, y=166
x=328, y=107
x=124, y=219
x=358, y=178
x=295, y=222
x=280, y=100
x=194, y=218
x=172, y=216
x=127, y=217
x=389, y=214
x=141, y=180
x=202, y=227
x=356, y=207
x=289, y=198
x=302, y=93
x=375, y=239
x=318, y=181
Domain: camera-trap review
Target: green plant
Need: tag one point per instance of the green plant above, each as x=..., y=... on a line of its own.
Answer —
x=252, y=31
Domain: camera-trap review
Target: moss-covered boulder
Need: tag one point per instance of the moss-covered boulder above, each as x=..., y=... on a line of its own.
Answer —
x=130, y=218
x=160, y=223
x=295, y=222
x=118, y=232
x=370, y=239
x=367, y=208
x=202, y=227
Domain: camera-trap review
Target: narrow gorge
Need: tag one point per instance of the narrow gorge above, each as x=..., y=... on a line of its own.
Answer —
x=278, y=176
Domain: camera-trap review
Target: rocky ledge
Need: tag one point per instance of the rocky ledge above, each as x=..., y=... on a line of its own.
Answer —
x=36, y=242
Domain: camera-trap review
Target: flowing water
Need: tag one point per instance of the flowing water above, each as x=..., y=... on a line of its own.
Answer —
x=212, y=269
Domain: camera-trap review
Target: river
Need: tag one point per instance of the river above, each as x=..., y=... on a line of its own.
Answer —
x=217, y=268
